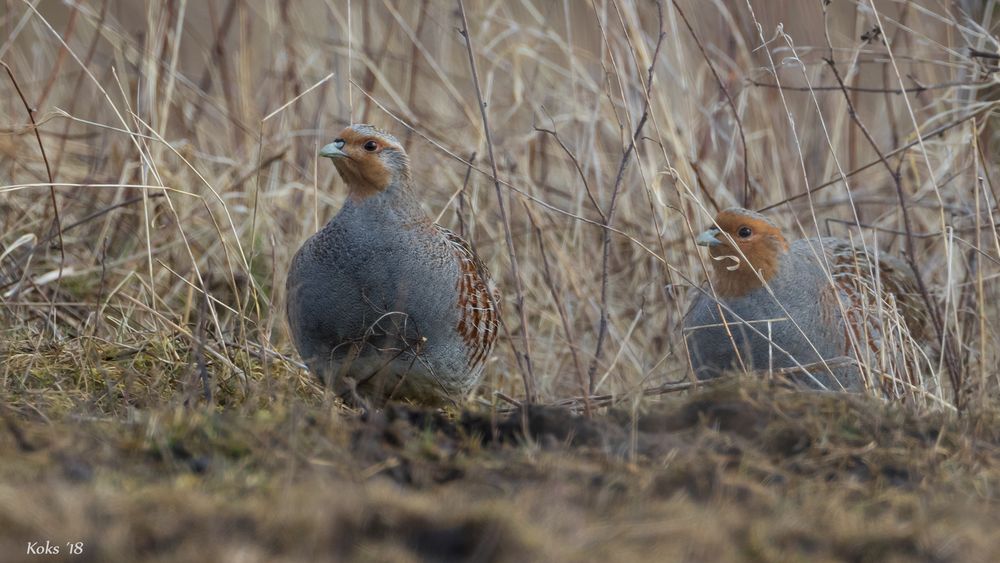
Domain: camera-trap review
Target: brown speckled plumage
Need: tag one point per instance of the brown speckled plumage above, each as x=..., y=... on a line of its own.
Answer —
x=478, y=298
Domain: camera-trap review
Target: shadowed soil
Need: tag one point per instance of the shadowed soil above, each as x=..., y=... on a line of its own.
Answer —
x=749, y=472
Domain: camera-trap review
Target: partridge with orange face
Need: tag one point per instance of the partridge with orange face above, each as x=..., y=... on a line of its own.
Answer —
x=382, y=302
x=835, y=314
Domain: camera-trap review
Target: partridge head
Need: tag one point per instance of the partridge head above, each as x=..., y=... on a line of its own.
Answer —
x=745, y=248
x=368, y=159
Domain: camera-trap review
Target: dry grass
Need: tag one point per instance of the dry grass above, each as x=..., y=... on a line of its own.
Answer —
x=142, y=257
x=184, y=163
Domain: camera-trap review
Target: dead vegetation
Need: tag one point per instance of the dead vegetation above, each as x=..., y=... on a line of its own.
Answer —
x=158, y=169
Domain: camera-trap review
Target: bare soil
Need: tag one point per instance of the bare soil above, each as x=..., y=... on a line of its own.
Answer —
x=749, y=472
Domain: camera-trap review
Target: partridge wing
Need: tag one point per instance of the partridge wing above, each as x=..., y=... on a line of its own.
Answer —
x=478, y=298
x=855, y=272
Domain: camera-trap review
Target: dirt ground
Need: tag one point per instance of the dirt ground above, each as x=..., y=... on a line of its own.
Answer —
x=740, y=472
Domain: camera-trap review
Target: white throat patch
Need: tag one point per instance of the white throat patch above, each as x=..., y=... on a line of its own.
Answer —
x=735, y=259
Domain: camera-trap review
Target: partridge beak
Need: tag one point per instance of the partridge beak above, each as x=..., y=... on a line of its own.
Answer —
x=333, y=149
x=708, y=238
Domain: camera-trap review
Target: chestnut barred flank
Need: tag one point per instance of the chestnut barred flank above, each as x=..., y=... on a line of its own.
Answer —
x=478, y=299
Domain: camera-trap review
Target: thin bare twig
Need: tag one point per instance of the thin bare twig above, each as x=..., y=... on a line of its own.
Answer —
x=576, y=164
x=615, y=192
x=869, y=90
x=85, y=220
x=526, y=372
x=560, y=308
x=461, y=197
x=732, y=105
x=894, y=152
x=48, y=168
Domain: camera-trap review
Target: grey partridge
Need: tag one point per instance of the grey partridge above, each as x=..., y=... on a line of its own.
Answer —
x=382, y=302
x=835, y=314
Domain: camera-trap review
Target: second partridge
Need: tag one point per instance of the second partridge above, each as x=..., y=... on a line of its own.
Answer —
x=823, y=307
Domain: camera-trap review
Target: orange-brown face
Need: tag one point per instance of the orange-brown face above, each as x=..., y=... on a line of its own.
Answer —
x=369, y=160
x=743, y=245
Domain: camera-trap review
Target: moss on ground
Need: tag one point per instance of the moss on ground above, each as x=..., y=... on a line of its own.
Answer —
x=135, y=464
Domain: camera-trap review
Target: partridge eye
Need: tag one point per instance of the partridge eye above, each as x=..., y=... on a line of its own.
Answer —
x=745, y=232
x=371, y=146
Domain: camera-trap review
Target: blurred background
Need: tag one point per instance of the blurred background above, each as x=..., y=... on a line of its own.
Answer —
x=146, y=248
